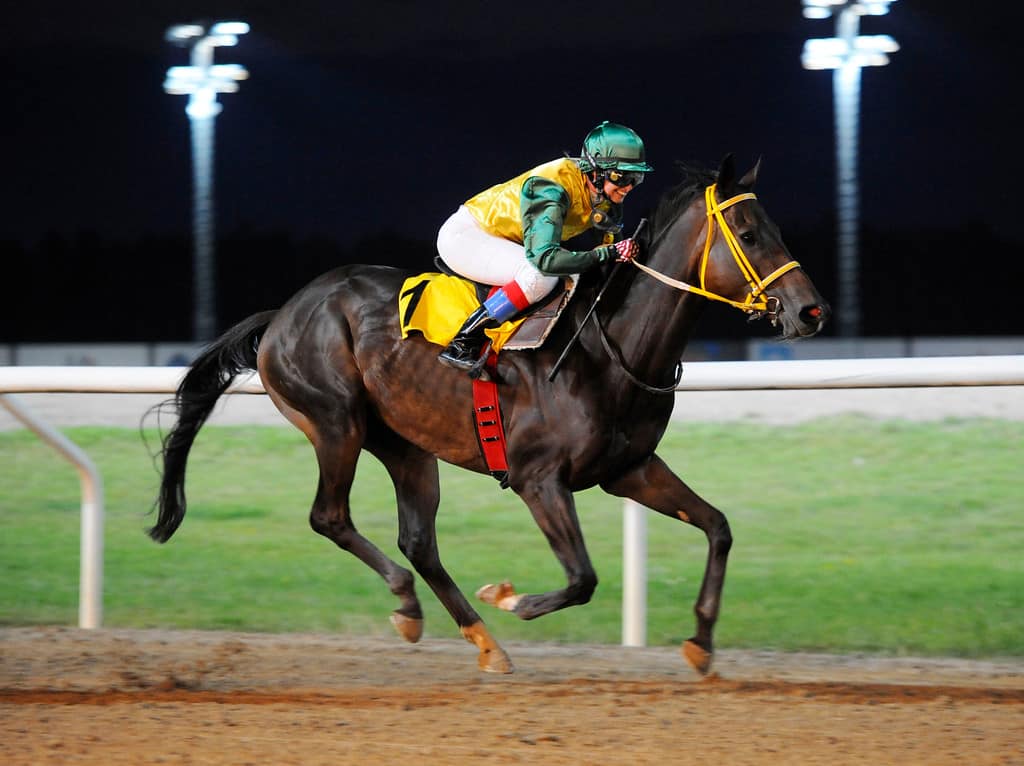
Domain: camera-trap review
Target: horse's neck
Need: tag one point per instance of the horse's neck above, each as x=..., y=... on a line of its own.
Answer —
x=654, y=322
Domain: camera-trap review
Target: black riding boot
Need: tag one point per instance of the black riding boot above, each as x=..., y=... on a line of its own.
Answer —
x=464, y=350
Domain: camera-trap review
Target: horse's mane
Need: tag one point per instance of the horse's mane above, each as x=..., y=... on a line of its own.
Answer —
x=678, y=198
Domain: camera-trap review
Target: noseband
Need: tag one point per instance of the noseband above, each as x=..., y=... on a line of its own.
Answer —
x=756, y=302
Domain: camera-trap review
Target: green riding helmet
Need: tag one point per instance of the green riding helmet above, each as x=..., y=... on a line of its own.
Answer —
x=613, y=146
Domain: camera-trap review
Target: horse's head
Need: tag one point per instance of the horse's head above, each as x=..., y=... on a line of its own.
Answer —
x=746, y=263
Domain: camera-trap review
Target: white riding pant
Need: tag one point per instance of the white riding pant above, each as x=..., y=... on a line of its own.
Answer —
x=482, y=257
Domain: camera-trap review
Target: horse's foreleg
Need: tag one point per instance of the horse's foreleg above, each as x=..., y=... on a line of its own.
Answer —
x=653, y=484
x=554, y=511
x=414, y=474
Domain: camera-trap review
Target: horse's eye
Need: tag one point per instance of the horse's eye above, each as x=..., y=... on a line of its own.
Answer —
x=748, y=237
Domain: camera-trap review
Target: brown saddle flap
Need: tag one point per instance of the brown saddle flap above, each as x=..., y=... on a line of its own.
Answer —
x=536, y=327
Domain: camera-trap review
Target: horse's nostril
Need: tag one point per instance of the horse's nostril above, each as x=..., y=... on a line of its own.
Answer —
x=813, y=314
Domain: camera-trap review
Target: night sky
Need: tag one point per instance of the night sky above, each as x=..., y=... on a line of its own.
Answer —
x=367, y=118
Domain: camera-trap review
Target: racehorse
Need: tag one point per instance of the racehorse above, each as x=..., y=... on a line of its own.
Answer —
x=334, y=363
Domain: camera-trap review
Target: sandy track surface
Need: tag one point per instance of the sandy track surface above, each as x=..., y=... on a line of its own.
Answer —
x=146, y=697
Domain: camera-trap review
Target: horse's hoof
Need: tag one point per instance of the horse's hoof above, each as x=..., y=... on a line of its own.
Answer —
x=409, y=628
x=696, y=656
x=495, y=661
x=492, y=657
x=503, y=596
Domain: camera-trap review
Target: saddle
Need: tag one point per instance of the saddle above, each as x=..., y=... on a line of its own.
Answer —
x=435, y=304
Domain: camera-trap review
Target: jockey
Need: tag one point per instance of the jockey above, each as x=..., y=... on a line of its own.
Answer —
x=511, y=234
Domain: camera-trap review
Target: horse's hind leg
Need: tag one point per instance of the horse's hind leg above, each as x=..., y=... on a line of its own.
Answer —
x=414, y=473
x=337, y=453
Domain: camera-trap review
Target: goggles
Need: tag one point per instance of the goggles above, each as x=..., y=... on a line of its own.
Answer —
x=625, y=177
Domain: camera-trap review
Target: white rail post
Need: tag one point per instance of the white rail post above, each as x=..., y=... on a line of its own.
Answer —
x=90, y=585
x=634, y=574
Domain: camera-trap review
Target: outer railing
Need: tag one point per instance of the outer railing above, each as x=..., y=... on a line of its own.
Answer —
x=90, y=580
x=698, y=376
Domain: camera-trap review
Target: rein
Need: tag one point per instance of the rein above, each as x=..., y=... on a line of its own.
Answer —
x=754, y=302
x=615, y=354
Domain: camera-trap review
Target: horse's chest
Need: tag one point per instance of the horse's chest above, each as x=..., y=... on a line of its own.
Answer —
x=589, y=432
x=605, y=446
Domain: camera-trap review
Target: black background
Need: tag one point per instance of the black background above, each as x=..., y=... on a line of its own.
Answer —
x=363, y=126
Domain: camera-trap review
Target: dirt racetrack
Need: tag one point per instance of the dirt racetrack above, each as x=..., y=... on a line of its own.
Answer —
x=114, y=697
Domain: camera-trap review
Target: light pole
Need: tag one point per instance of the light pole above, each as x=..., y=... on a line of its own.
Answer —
x=845, y=54
x=202, y=81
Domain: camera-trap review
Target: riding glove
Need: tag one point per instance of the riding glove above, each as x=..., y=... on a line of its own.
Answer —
x=627, y=250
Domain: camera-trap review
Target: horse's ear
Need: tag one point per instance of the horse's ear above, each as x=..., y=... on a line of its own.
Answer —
x=726, y=173
x=751, y=177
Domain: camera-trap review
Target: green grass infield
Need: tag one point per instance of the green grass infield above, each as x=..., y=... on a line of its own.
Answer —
x=851, y=535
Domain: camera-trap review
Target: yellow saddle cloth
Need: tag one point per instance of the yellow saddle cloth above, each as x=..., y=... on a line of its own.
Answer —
x=436, y=305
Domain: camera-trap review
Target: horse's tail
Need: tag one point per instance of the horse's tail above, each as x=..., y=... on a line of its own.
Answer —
x=207, y=378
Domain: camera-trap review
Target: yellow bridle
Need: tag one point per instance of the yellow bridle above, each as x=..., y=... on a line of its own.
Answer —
x=754, y=302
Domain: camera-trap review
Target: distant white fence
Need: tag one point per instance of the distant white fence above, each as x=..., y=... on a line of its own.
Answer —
x=698, y=376
x=702, y=349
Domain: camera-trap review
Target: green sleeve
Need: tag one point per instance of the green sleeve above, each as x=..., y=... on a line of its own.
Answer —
x=543, y=204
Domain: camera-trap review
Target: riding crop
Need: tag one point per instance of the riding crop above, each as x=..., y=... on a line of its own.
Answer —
x=590, y=312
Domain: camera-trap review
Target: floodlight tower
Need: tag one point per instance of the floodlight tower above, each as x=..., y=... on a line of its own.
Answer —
x=845, y=54
x=202, y=81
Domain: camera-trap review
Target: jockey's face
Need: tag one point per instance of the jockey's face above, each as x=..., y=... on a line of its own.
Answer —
x=613, y=193
x=616, y=193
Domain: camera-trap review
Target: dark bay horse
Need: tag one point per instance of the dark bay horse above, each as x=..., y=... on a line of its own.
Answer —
x=333, y=362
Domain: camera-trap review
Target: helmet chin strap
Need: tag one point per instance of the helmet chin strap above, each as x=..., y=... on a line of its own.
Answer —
x=599, y=202
x=600, y=214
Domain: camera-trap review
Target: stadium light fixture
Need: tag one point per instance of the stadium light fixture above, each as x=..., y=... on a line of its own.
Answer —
x=846, y=54
x=201, y=81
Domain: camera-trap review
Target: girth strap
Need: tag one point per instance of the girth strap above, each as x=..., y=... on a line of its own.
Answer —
x=489, y=429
